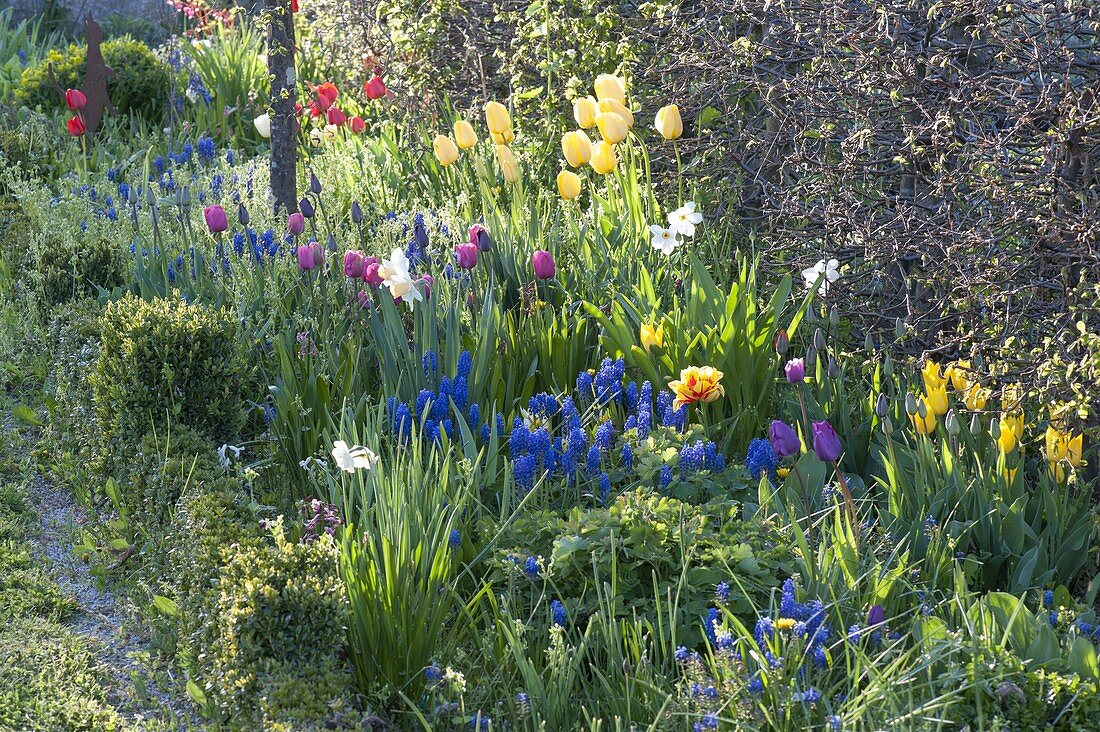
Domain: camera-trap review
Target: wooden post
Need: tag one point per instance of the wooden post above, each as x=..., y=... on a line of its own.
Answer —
x=284, y=122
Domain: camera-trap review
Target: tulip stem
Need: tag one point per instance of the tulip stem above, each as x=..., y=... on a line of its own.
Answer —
x=805, y=500
x=849, y=504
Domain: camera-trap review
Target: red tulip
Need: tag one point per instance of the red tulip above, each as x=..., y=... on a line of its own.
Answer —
x=327, y=94
x=358, y=125
x=75, y=99
x=376, y=88
x=336, y=117
x=294, y=6
x=76, y=126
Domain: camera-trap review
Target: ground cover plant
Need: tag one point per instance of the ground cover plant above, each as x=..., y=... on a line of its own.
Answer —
x=336, y=400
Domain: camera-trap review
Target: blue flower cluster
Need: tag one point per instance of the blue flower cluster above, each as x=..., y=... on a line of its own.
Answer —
x=761, y=459
x=699, y=456
x=434, y=408
x=809, y=624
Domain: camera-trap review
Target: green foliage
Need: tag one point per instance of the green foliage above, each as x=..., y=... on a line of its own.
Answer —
x=167, y=361
x=161, y=468
x=73, y=341
x=140, y=85
x=26, y=590
x=31, y=38
x=69, y=269
x=275, y=650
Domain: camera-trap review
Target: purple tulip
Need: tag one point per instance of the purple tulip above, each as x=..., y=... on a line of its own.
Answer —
x=479, y=237
x=543, y=262
x=826, y=442
x=428, y=281
x=296, y=223
x=318, y=253
x=215, y=219
x=370, y=271
x=784, y=439
x=354, y=262
x=795, y=370
x=466, y=255
x=305, y=258
x=356, y=213
x=876, y=616
x=306, y=208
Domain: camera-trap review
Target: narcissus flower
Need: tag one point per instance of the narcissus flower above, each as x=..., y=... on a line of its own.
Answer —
x=610, y=105
x=663, y=240
x=576, y=147
x=509, y=166
x=543, y=264
x=396, y=276
x=585, y=110
x=697, y=384
x=76, y=126
x=650, y=336
x=215, y=218
x=263, y=125
x=668, y=122
x=569, y=185
x=351, y=459
x=464, y=134
x=684, y=220
x=446, y=152
x=609, y=86
x=603, y=157
x=75, y=99
x=612, y=127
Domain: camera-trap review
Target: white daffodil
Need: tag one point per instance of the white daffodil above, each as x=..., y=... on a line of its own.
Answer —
x=350, y=459
x=399, y=280
x=223, y=453
x=664, y=240
x=683, y=220
x=831, y=270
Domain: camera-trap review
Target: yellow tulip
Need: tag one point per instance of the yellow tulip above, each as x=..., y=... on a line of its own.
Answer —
x=610, y=105
x=697, y=384
x=603, y=157
x=609, y=86
x=976, y=398
x=576, y=147
x=446, y=152
x=650, y=336
x=503, y=138
x=497, y=118
x=569, y=185
x=925, y=425
x=1010, y=475
x=1012, y=428
x=668, y=122
x=465, y=135
x=1010, y=397
x=612, y=127
x=1073, y=450
x=933, y=379
x=1057, y=445
x=959, y=373
x=585, y=110
x=508, y=164
x=937, y=400
x=1058, y=472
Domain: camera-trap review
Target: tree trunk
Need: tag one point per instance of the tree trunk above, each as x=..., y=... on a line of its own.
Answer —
x=284, y=122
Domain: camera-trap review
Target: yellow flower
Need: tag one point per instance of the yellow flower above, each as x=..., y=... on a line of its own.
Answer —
x=1010, y=475
x=933, y=379
x=1058, y=472
x=446, y=152
x=785, y=624
x=925, y=425
x=508, y=164
x=585, y=110
x=497, y=118
x=609, y=86
x=1010, y=397
x=464, y=134
x=650, y=336
x=976, y=398
x=959, y=372
x=697, y=384
x=1012, y=429
x=782, y=472
x=1073, y=450
x=610, y=105
x=503, y=138
x=603, y=157
x=569, y=185
x=612, y=127
x=576, y=147
x=1057, y=445
x=668, y=122
x=937, y=400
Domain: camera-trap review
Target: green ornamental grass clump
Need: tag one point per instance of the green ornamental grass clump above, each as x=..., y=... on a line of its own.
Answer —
x=140, y=85
x=167, y=361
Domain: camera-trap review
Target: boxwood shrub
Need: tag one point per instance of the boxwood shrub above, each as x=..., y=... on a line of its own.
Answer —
x=72, y=268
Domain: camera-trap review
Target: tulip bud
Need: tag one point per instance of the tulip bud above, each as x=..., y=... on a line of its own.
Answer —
x=464, y=134
x=811, y=357
x=358, y=126
x=132, y=195
x=834, y=317
x=782, y=342
x=882, y=405
x=314, y=184
x=951, y=422
x=603, y=157
x=833, y=369
x=569, y=185
x=306, y=207
x=242, y=214
x=910, y=404
x=576, y=147
x=330, y=242
x=75, y=99
x=497, y=118
x=887, y=425
x=922, y=409
x=356, y=213
x=185, y=197
x=668, y=122
x=446, y=152
x=466, y=255
x=975, y=425
x=215, y=219
x=609, y=86
x=612, y=127
x=819, y=339
x=543, y=263
x=869, y=344
x=610, y=105
x=888, y=367
x=585, y=110
x=995, y=429
x=353, y=264
x=509, y=167
x=263, y=125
